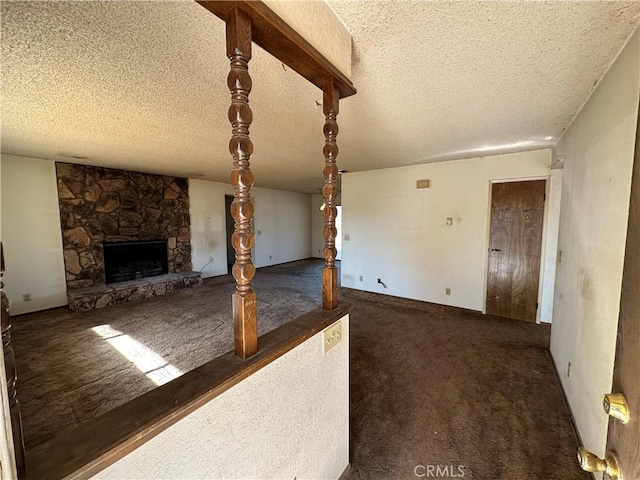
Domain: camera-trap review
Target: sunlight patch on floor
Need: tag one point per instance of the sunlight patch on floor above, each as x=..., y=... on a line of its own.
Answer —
x=146, y=360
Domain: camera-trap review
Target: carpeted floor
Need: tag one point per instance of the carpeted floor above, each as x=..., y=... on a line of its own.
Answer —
x=441, y=389
x=72, y=366
x=432, y=387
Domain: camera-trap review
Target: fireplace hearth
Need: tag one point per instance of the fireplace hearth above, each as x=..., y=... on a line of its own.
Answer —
x=125, y=261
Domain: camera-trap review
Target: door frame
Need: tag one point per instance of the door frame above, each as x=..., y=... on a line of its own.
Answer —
x=541, y=279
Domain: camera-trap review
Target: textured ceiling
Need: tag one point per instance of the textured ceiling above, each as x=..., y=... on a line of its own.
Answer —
x=142, y=85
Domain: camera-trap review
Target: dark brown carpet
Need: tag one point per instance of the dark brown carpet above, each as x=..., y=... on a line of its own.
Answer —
x=441, y=388
x=68, y=373
x=431, y=386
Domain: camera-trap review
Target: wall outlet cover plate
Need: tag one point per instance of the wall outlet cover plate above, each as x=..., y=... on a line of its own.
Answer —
x=331, y=336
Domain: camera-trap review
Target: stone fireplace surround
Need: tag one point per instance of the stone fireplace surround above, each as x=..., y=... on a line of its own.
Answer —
x=105, y=205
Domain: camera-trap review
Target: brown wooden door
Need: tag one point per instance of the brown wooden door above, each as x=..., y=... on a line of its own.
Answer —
x=515, y=244
x=624, y=440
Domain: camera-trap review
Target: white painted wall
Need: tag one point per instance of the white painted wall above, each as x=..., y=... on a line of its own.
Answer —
x=398, y=233
x=598, y=157
x=288, y=420
x=31, y=234
x=282, y=225
x=208, y=228
x=317, y=224
x=317, y=227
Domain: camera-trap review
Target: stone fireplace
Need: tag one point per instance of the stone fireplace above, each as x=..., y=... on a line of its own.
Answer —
x=109, y=219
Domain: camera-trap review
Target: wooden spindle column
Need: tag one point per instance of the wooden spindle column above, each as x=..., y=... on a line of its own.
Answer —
x=330, y=104
x=241, y=148
x=12, y=377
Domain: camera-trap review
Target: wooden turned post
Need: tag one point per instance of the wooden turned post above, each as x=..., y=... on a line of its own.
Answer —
x=241, y=148
x=12, y=377
x=330, y=104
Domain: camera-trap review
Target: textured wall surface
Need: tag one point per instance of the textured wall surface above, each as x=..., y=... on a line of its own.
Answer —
x=288, y=420
x=30, y=221
x=104, y=205
x=598, y=158
x=399, y=234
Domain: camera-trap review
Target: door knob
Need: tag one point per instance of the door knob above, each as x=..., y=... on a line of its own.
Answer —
x=616, y=406
x=590, y=462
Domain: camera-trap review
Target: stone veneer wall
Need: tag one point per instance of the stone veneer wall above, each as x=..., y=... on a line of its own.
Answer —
x=100, y=204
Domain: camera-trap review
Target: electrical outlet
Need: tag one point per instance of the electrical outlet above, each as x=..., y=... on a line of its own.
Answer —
x=560, y=256
x=26, y=297
x=347, y=238
x=447, y=291
x=360, y=277
x=331, y=336
x=211, y=258
x=449, y=221
x=270, y=257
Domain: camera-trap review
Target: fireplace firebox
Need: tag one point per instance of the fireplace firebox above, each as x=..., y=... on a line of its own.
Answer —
x=134, y=260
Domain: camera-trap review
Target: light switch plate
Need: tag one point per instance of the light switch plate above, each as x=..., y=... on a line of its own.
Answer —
x=331, y=336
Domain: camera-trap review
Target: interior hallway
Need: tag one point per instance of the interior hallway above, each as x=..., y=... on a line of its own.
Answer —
x=430, y=385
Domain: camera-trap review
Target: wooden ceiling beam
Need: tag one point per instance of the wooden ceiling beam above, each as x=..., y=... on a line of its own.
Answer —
x=275, y=36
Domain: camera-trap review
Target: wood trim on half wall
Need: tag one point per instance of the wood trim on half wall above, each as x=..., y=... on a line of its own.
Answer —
x=85, y=450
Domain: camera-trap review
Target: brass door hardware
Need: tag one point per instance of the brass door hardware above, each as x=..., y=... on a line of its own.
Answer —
x=615, y=405
x=590, y=462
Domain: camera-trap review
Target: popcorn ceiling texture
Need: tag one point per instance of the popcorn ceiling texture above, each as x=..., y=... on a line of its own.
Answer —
x=443, y=80
x=142, y=85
